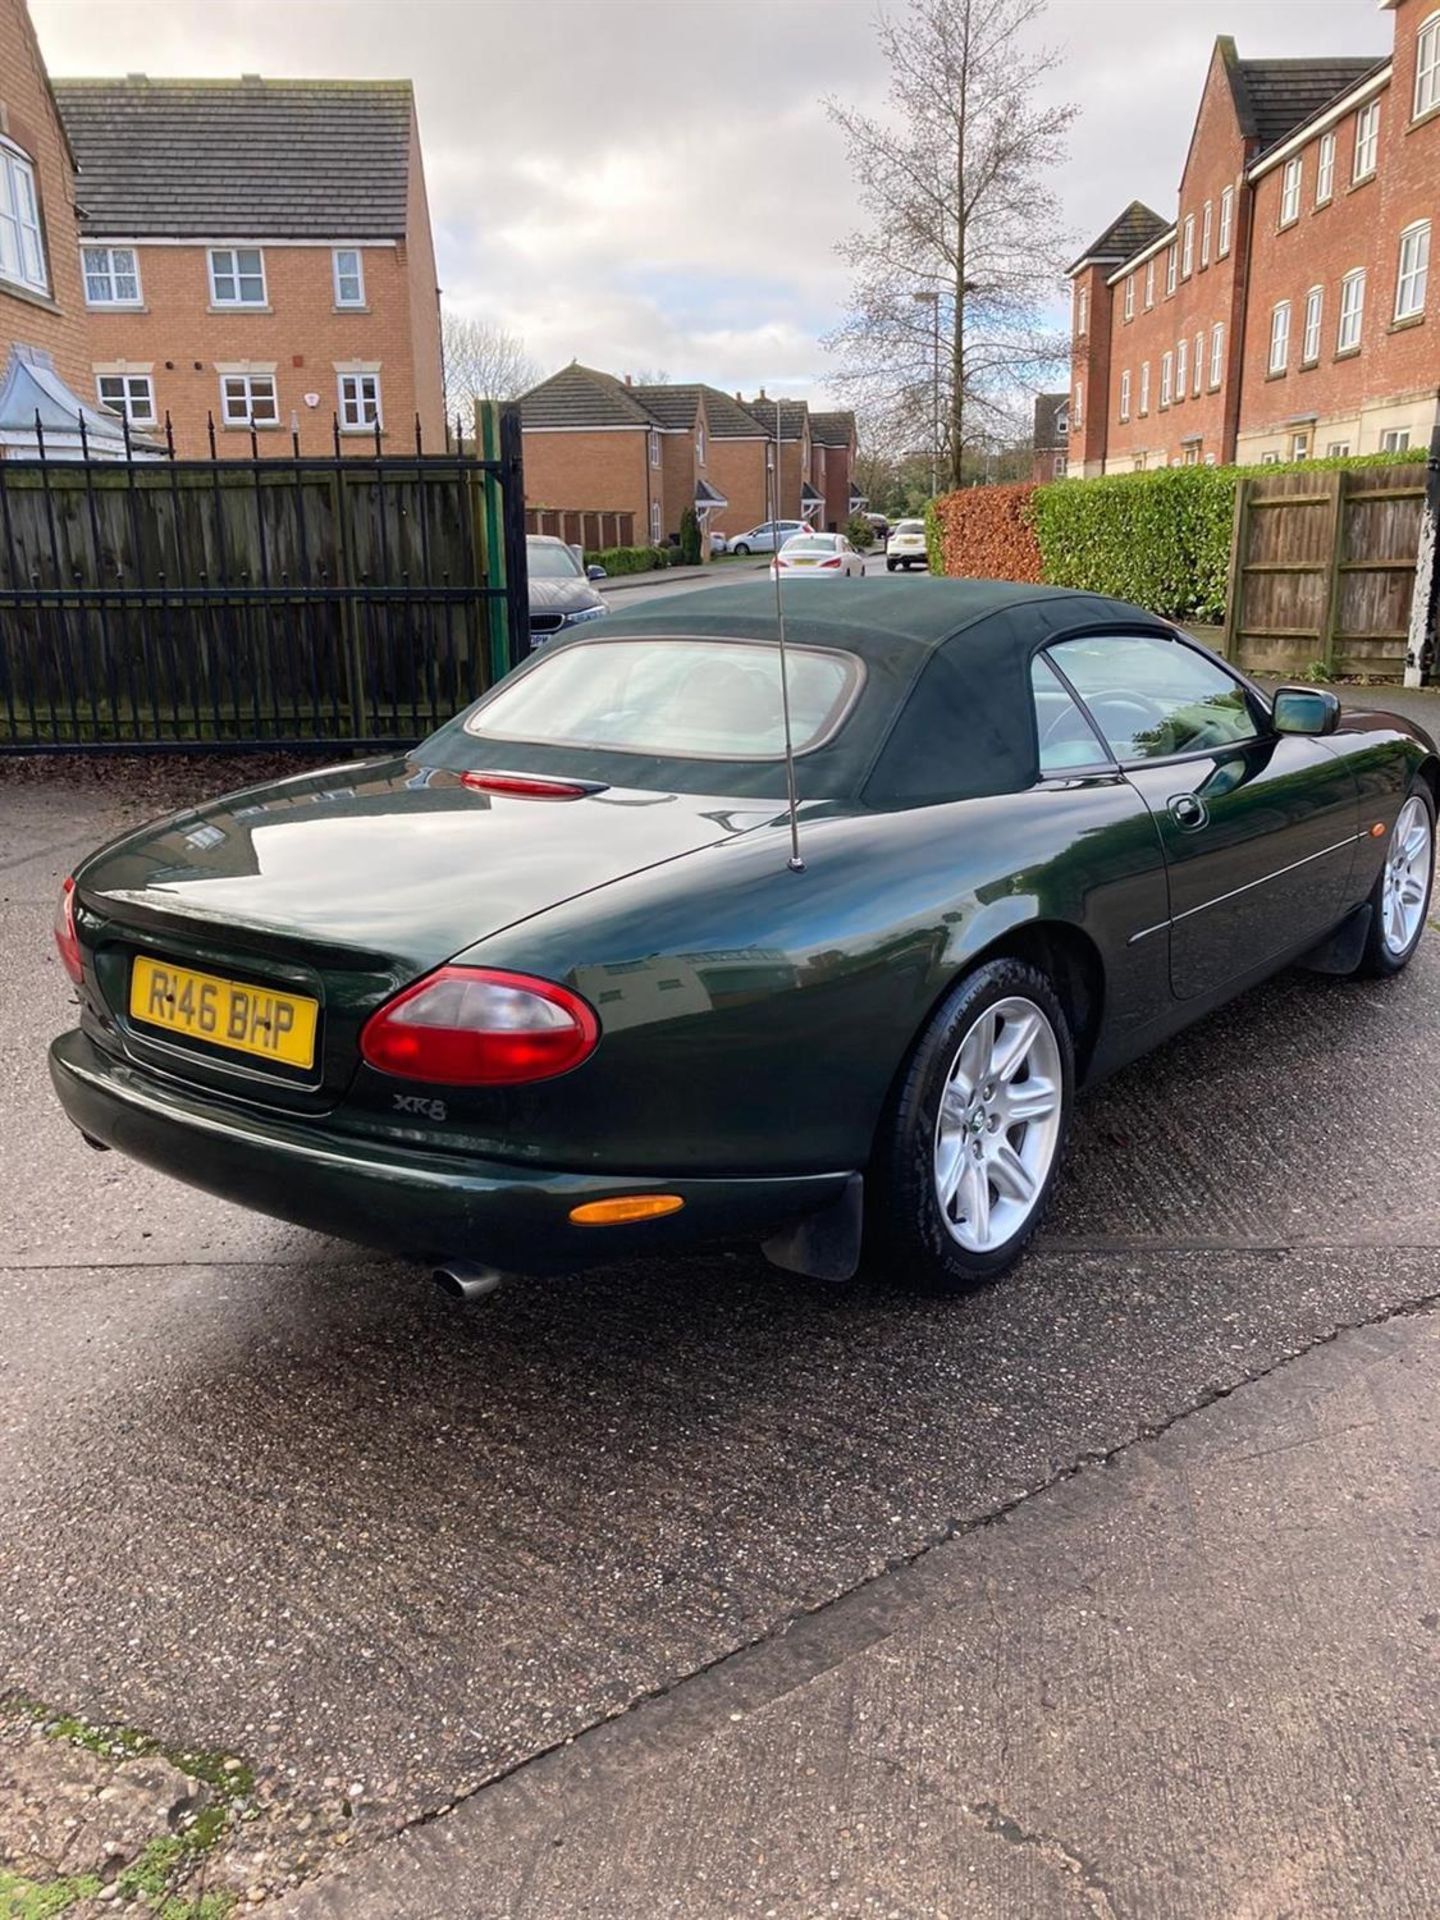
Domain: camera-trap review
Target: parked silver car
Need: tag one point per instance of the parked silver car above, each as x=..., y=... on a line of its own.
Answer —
x=768, y=535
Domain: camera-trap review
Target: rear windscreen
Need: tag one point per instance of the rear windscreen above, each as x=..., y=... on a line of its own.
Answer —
x=687, y=699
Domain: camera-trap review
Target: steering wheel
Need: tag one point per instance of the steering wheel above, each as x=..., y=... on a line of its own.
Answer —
x=1151, y=715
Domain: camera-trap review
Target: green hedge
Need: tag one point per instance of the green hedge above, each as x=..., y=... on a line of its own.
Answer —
x=1159, y=539
x=631, y=559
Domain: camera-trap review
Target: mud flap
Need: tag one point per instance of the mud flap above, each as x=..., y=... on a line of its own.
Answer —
x=823, y=1245
x=1341, y=952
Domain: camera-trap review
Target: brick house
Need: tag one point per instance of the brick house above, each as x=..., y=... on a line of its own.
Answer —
x=1050, y=441
x=834, y=443
x=42, y=309
x=595, y=444
x=256, y=252
x=739, y=462
x=1283, y=312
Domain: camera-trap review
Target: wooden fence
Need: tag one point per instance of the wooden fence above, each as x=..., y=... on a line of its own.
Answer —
x=582, y=528
x=174, y=603
x=1322, y=570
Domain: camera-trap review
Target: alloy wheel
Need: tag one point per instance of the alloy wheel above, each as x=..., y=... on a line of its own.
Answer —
x=1407, y=877
x=998, y=1126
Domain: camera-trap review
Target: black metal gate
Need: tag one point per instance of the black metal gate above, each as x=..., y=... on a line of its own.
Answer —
x=353, y=601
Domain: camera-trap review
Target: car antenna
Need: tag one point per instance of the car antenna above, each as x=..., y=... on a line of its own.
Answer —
x=795, y=863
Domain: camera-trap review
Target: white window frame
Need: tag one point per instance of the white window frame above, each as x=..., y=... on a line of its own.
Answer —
x=23, y=260
x=1338, y=450
x=1207, y=232
x=1197, y=373
x=1395, y=440
x=233, y=273
x=1125, y=396
x=1172, y=267
x=103, y=264
x=1077, y=412
x=1413, y=271
x=355, y=401
x=230, y=417
x=1300, y=441
x=1351, y=328
x=1314, y=321
x=1217, y=353
x=1182, y=369
x=1227, y=223
x=699, y=446
x=1144, y=388
x=1129, y=296
x=125, y=402
x=1427, y=67
x=1167, y=379
x=1279, y=360
x=655, y=524
x=1325, y=170
x=1292, y=180
x=1149, y=284
x=1367, y=142
x=1138, y=465
x=339, y=275
x=1082, y=310
x=654, y=446
x=1187, y=257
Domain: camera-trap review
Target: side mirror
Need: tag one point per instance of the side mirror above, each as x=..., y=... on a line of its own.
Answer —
x=596, y=573
x=1313, y=710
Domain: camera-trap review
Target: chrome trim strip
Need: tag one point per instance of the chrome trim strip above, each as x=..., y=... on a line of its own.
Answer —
x=1235, y=892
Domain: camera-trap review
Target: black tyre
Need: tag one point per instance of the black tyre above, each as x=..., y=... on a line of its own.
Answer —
x=975, y=1135
x=890, y=566
x=1400, y=898
x=740, y=547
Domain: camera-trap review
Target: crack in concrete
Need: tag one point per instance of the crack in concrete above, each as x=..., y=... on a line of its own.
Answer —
x=1099, y=1897
x=810, y=1644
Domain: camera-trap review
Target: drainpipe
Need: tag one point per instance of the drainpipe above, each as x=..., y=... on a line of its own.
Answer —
x=1426, y=604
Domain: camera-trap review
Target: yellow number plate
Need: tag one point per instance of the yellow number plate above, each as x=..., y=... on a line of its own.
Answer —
x=254, y=1020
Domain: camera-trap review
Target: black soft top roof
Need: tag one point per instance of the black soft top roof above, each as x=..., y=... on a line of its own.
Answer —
x=945, y=713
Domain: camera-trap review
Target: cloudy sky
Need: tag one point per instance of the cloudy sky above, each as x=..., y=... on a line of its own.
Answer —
x=653, y=184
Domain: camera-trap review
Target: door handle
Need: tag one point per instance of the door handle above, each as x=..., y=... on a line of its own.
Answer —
x=1188, y=810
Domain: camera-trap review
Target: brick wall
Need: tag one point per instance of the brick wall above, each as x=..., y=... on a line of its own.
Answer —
x=1343, y=398
x=28, y=118
x=180, y=340
x=605, y=471
x=427, y=380
x=1210, y=295
x=737, y=469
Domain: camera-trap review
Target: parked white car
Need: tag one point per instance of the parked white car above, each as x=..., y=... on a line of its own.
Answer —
x=829, y=556
x=768, y=535
x=906, y=546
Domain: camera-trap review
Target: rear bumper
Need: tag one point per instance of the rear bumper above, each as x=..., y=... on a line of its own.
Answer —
x=424, y=1206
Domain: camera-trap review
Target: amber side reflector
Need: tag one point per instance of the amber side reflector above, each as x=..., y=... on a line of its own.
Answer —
x=1377, y=832
x=632, y=1206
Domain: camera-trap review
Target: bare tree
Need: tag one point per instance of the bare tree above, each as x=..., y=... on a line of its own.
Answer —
x=482, y=362
x=954, y=272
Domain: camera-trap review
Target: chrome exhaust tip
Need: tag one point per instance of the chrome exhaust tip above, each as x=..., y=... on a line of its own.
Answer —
x=466, y=1281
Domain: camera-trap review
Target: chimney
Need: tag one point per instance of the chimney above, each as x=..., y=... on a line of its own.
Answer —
x=628, y=381
x=738, y=396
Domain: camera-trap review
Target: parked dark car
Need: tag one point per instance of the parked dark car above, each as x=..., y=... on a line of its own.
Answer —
x=552, y=988
x=562, y=591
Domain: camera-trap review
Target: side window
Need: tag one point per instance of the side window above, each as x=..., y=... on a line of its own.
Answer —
x=1066, y=737
x=1151, y=697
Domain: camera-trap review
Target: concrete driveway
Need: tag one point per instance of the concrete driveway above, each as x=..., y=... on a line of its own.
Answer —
x=268, y=1497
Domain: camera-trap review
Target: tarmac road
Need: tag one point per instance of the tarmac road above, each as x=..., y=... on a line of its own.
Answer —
x=262, y=1494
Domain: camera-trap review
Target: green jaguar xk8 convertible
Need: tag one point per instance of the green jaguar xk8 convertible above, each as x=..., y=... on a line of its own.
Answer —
x=553, y=987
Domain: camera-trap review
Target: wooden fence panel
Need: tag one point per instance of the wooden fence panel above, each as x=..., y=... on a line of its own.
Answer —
x=1322, y=570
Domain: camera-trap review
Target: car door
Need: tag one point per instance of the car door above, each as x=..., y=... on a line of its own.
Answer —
x=1259, y=828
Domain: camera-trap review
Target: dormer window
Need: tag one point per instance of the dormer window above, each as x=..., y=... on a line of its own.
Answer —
x=22, y=245
x=1062, y=424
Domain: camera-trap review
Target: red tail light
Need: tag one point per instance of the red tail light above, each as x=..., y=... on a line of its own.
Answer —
x=66, y=940
x=525, y=786
x=836, y=562
x=472, y=1027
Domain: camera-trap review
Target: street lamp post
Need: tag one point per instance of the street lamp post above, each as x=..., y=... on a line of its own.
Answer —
x=929, y=297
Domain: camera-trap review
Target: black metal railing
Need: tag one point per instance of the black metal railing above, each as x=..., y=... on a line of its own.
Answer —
x=353, y=600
